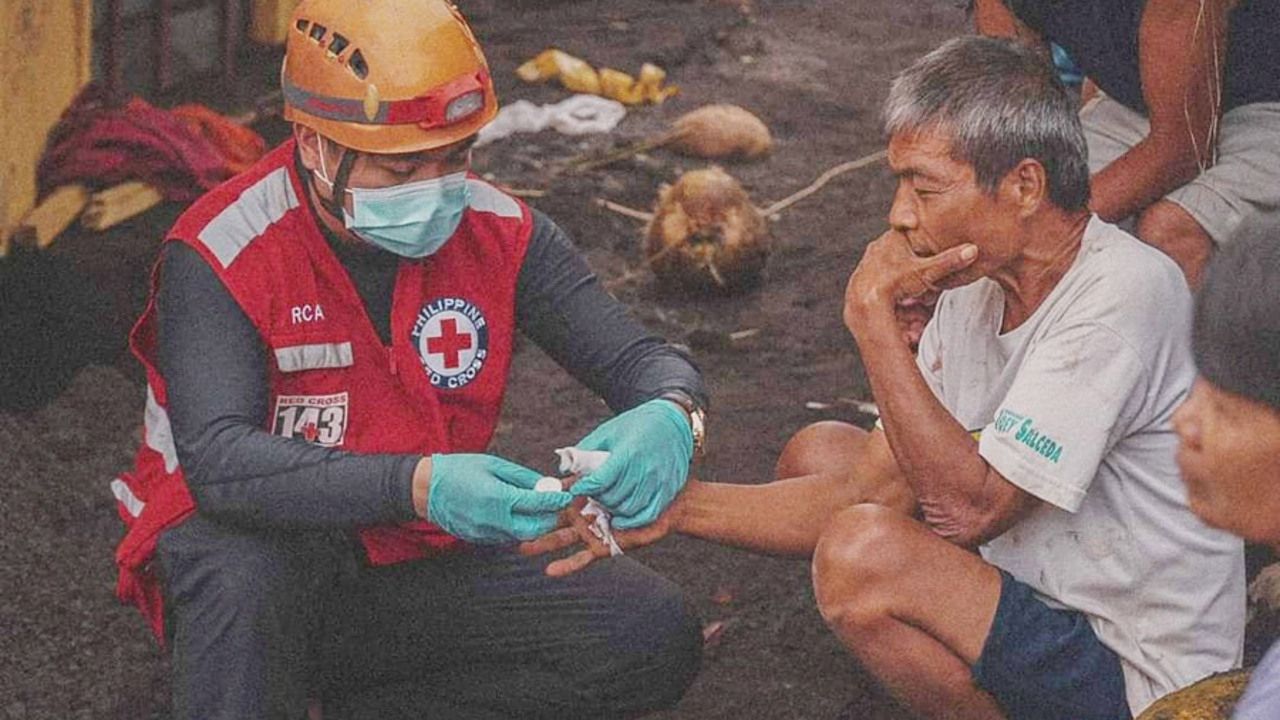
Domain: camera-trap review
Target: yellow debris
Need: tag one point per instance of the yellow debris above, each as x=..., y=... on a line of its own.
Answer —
x=577, y=75
x=1209, y=699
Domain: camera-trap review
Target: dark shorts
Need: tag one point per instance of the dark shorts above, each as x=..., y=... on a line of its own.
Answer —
x=1040, y=663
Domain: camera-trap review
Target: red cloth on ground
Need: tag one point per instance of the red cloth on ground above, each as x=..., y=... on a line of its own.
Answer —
x=239, y=145
x=99, y=144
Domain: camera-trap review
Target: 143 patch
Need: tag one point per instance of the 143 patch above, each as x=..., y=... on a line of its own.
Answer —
x=318, y=419
x=452, y=340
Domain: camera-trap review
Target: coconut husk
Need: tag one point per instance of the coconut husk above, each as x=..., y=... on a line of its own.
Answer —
x=706, y=234
x=721, y=131
x=1210, y=699
x=714, y=132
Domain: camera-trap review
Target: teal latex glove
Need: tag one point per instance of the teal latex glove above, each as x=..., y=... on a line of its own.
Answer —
x=487, y=500
x=649, y=451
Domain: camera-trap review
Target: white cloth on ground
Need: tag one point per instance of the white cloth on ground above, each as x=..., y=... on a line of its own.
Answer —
x=575, y=115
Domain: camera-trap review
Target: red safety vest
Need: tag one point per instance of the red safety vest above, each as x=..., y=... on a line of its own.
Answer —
x=437, y=388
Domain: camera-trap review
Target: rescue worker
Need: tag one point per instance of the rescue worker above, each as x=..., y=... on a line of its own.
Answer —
x=312, y=517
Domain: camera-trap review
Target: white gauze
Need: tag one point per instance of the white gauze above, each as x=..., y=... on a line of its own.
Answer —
x=583, y=462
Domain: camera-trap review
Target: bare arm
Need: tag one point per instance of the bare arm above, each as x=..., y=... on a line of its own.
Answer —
x=960, y=496
x=994, y=19
x=785, y=517
x=1181, y=51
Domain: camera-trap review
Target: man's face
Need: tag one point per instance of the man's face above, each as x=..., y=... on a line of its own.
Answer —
x=939, y=205
x=1228, y=451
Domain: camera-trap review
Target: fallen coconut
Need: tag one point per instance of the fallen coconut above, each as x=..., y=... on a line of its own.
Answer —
x=714, y=132
x=721, y=131
x=706, y=234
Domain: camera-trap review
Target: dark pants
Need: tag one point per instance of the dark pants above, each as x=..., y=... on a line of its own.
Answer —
x=259, y=622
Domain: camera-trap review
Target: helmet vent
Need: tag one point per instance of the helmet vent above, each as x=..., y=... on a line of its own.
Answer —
x=317, y=32
x=302, y=24
x=338, y=44
x=358, y=65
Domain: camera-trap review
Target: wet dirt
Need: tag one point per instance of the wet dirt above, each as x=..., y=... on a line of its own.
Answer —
x=775, y=358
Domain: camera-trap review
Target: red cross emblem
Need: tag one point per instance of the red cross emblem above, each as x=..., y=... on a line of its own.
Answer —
x=450, y=343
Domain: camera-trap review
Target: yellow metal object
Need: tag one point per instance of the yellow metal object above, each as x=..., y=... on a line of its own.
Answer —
x=269, y=21
x=577, y=75
x=46, y=47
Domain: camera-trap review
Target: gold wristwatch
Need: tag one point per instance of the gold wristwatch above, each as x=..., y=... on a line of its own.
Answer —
x=697, y=418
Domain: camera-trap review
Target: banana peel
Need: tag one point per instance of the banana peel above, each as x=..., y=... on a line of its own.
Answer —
x=577, y=75
x=648, y=87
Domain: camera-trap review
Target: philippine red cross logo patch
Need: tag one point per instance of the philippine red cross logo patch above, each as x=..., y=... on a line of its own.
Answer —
x=452, y=340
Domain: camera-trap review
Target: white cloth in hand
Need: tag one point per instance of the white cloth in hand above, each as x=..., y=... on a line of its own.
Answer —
x=581, y=462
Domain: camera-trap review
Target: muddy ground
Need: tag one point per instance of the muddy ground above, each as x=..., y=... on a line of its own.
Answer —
x=816, y=73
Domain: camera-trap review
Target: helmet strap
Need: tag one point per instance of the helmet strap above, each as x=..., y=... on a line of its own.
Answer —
x=338, y=185
x=334, y=205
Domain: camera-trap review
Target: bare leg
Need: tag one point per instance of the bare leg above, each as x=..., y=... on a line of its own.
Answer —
x=863, y=458
x=913, y=608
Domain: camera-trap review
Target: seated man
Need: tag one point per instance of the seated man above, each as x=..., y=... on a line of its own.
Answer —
x=1185, y=138
x=1229, y=428
x=1033, y=427
x=326, y=349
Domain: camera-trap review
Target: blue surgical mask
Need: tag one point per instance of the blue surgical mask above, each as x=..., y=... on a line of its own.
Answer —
x=412, y=220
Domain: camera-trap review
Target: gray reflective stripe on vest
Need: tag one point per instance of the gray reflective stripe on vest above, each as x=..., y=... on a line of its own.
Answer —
x=314, y=357
x=263, y=203
x=487, y=198
x=126, y=497
x=158, y=433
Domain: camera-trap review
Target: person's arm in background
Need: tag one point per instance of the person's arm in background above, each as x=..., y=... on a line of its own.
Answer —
x=1181, y=51
x=994, y=19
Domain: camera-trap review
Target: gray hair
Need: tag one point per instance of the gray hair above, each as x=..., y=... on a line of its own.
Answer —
x=999, y=102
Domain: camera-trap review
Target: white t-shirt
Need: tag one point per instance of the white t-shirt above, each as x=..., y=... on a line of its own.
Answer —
x=1074, y=407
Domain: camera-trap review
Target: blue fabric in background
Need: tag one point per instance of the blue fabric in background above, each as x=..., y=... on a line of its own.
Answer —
x=1068, y=72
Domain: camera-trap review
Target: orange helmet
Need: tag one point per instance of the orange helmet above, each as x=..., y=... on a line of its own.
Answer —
x=386, y=76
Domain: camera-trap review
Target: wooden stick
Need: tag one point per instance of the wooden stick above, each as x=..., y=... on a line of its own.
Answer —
x=583, y=165
x=55, y=212
x=823, y=179
x=116, y=204
x=624, y=210
x=522, y=192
